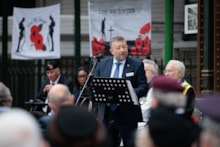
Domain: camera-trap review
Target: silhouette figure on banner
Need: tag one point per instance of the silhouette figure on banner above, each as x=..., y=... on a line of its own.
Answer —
x=51, y=31
x=21, y=34
x=103, y=29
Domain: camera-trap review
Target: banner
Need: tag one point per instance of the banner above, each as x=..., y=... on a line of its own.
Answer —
x=36, y=33
x=129, y=18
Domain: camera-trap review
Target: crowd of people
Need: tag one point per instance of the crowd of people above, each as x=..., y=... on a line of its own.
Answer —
x=167, y=106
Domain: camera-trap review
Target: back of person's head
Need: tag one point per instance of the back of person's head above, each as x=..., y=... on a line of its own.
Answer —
x=75, y=127
x=5, y=96
x=58, y=95
x=167, y=91
x=18, y=128
x=167, y=129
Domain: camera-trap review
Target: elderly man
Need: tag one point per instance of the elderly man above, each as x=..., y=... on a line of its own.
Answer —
x=176, y=70
x=209, y=106
x=167, y=125
x=58, y=96
x=151, y=70
x=54, y=77
x=5, y=98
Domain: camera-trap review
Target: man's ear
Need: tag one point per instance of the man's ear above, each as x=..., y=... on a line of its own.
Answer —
x=111, y=51
x=50, y=105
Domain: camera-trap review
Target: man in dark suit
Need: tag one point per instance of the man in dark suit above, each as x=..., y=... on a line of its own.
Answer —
x=123, y=119
x=54, y=76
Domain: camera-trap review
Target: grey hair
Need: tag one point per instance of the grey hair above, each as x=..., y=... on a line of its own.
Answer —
x=117, y=38
x=19, y=129
x=179, y=66
x=5, y=93
x=154, y=65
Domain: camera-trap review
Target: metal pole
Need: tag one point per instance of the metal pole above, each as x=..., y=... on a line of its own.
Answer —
x=77, y=34
x=4, y=41
x=168, y=54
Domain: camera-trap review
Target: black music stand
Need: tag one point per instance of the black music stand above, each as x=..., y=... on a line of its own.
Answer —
x=34, y=104
x=110, y=90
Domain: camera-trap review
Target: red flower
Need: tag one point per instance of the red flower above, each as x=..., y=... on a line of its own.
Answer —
x=97, y=46
x=138, y=43
x=146, y=50
x=34, y=33
x=133, y=50
x=146, y=41
x=140, y=51
x=145, y=29
x=39, y=42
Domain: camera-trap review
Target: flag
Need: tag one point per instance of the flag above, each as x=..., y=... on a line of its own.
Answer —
x=130, y=19
x=36, y=33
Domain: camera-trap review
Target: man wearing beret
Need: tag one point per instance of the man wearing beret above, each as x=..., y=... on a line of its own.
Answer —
x=210, y=122
x=167, y=125
x=54, y=76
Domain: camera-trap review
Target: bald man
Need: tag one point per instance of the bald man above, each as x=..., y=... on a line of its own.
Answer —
x=58, y=96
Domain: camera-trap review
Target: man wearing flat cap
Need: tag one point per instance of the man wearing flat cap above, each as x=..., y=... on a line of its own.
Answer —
x=53, y=76
x=210, y=122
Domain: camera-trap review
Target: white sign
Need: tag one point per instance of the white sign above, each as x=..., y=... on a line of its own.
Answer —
x=36, y=33
x=130, y=19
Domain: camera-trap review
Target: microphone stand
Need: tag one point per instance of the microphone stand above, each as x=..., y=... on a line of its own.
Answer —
x=95, y=61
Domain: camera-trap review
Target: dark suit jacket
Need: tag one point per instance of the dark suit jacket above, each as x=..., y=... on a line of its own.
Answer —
x=63, y=80
x=128, y=112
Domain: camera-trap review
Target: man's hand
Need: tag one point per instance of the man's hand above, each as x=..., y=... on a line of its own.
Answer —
x=47, y=88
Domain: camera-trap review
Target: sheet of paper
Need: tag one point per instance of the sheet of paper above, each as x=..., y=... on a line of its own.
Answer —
x=132, y=93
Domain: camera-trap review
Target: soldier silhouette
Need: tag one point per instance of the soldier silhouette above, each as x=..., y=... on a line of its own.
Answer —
x=51, y=30
x=21, y=34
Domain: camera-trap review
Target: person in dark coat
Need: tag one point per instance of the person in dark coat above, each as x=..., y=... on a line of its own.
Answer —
x=124, y=116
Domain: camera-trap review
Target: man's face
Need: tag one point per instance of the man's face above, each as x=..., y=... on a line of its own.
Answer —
x=149, y=72
x=171, y=71
x=53, y=74
x=119, y=50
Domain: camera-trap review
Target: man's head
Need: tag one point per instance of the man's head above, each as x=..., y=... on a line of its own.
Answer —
x=75, y=127
x=167, y=91
x=19, y=129
x=151, y=69
x=52, y=70
x=59, y=95
x=119, y=48
x=5, y=96
x=175, y=69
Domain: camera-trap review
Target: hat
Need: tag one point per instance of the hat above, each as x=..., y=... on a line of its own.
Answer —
x=52, y=65
x=208, y=104
x=169, y=130
x=74, y=123
x=164, y=83
x=168, y=91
